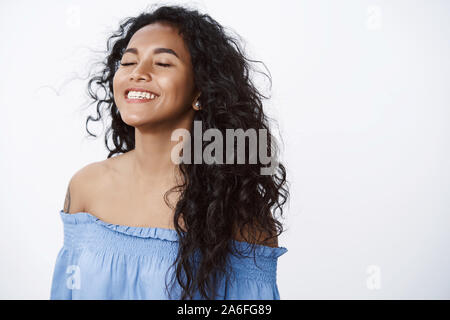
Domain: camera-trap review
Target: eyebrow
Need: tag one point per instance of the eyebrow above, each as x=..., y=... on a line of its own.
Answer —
x=155, y=51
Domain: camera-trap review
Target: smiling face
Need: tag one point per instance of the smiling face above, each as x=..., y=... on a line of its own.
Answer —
x=156, y=59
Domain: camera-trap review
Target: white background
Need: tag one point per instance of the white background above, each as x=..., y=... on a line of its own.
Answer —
x=361, y=94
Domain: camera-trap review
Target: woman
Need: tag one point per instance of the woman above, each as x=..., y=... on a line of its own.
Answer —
x=132, y=217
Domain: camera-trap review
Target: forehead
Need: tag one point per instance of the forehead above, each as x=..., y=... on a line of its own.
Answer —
x=157, y=35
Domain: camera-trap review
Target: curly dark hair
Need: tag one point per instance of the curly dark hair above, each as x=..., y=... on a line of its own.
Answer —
x=216, y=200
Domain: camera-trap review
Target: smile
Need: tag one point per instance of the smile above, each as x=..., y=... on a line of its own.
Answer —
x=139, y=97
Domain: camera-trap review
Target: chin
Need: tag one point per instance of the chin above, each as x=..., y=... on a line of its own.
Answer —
x=136, y=121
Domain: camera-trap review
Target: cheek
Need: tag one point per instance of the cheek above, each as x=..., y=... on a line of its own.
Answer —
x=178, y=89
x=117, y=87
x=170, y=87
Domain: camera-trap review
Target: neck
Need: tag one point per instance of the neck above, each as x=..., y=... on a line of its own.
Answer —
x=151, y=161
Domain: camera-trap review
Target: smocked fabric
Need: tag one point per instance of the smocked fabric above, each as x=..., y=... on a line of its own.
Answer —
x=100, y=261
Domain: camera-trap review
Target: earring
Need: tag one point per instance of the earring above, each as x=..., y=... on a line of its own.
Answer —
x=197, y=105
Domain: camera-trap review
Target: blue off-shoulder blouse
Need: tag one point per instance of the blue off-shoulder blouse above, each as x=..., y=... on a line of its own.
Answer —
x=105, y=261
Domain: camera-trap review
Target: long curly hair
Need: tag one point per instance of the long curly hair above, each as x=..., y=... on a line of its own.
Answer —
x=216, y=200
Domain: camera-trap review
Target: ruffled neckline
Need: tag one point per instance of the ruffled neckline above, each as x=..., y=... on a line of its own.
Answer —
x=159, y=233
x=141, y=232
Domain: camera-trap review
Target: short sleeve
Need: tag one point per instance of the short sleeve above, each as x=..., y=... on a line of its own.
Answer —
x=255, y=277
x=66, y=282
x=250, y=289
x=66, y=275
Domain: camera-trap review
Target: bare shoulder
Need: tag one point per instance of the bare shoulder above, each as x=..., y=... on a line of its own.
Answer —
x=81, y=186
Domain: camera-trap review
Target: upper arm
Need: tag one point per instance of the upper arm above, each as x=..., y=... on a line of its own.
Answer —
x=77, y=192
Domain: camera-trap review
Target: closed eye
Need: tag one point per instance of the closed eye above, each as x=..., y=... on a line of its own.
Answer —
x=165, y=65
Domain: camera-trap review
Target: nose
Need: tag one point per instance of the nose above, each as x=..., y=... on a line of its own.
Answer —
x=139, y=74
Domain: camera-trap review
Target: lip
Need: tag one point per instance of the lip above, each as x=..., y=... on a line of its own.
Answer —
x=138, y=100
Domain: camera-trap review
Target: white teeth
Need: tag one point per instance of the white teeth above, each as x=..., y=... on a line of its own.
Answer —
x=140, y=95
